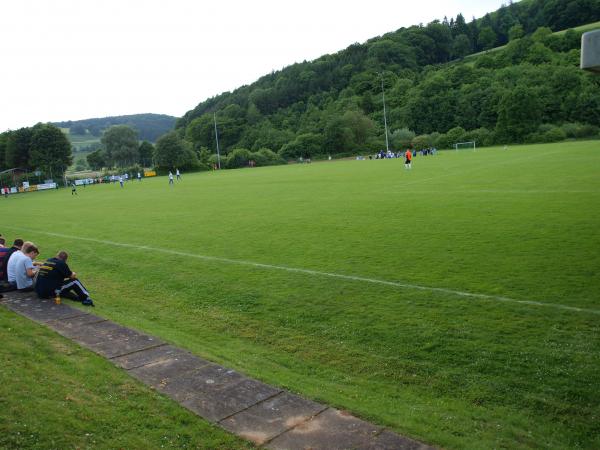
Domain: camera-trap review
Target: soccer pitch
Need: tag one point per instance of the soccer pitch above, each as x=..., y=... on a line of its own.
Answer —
x=457, y=303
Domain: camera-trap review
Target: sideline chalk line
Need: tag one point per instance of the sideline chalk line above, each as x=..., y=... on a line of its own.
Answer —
x=321, y=274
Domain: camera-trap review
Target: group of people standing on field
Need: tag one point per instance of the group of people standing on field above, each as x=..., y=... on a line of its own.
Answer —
x=177, y=174
x=51, y=278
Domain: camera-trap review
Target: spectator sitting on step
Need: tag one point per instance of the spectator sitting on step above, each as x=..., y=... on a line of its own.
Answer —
x=5, y=254
x=56, y=279
x=20, y=268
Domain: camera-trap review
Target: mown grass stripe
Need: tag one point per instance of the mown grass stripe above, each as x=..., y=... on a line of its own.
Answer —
x=323, y=274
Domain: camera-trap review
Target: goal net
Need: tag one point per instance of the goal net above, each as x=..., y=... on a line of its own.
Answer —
x=465, y=146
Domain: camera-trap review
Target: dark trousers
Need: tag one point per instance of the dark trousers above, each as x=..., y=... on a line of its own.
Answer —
x=74, y=290
x=71, y=289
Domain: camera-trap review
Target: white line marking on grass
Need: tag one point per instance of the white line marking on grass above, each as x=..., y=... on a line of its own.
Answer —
x=322, y=274
x=500, y=191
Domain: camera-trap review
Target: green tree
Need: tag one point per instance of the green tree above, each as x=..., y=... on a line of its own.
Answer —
x=487, y=38
x=402, y=138
x=542, y=35
x=421, y=142
x=201, y=131
x=305, y=145
x=77, y=129
x=121, y=145
x=173, y=152
x=456, y=134
x=460, y=26
x=539, y=54
x=96, y=160
x=145, y=150
x=50, y=150
x=238, y=158
x=431, y=106
x=337, y=137
x=516, y=32
x=461, y=46
x=3, y=143
x=17, y=148
x=519, y=114
x=388, y=52
x=442, y=38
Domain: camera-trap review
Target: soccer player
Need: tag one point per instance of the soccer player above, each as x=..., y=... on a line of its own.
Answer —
x=121, y=181
x=73, y=189
x=170, y=177
x=139, y=176
x=178, y=174
x=408, y=159
x=55, y=279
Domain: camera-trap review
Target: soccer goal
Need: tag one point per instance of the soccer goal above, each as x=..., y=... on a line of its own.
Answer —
x=465, y=146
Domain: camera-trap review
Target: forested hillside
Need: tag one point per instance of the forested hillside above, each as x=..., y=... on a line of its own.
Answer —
x=530, y=90
x=149, y=126
x=508, y=77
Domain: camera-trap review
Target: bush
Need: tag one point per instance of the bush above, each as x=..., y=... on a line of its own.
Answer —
x=238, y=158
x=456, y=134
x=482, y=137
x=267, y=157
x=586, y=130
x=402, y=138
x=422, y=141
x=554, y=135
x=442, y=142
x=486, y=62
x=547, y=133
x=213, y=161
x=570, y=129
x=304, y=145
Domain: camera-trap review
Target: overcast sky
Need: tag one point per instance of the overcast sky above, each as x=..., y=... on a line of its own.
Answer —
x=78, y=59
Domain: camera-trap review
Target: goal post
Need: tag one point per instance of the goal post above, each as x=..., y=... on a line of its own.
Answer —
x=465, y=146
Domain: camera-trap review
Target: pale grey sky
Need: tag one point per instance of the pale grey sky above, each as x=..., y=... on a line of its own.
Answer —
x=77, y=59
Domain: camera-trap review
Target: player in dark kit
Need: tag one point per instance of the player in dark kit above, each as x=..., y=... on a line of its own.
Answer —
x=56, y=279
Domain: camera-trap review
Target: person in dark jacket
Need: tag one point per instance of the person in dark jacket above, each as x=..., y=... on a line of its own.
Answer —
x=5, y=254
x=55, y=279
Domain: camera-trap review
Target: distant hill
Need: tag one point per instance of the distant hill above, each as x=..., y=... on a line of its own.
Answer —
x=529, y=90
x=149, y=126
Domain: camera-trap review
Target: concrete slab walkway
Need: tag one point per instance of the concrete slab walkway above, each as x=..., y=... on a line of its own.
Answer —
x=263, y=414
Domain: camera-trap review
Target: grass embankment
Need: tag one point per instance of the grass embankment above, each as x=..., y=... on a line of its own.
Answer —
x=54, y=394
x=583, y=28
x=452, y=370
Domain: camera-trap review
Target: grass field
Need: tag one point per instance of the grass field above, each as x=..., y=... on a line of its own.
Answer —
x=457, y=303
x=56, y=395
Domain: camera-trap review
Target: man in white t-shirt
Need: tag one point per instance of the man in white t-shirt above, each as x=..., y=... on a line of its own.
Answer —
x=21, y=269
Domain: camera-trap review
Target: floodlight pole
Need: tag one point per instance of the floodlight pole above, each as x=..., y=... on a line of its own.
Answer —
x=217, y=138
x=387, y=145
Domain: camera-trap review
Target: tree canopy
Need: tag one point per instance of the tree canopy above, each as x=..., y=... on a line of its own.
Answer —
x=42, y=147
x=432, y=83
x=121, y=146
